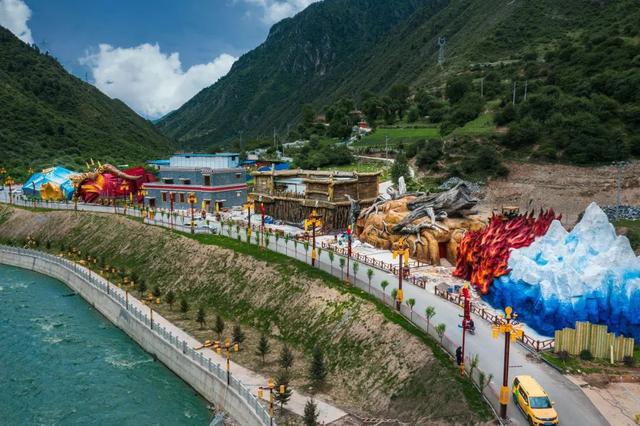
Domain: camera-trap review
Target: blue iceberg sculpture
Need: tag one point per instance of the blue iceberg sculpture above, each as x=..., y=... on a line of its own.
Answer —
x=588, y=274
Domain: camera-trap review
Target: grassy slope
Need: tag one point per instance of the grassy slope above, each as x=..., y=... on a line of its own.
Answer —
x=300, y=305
x=49, y=117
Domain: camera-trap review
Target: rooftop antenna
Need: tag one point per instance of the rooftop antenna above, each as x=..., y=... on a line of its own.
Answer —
x=442, y=41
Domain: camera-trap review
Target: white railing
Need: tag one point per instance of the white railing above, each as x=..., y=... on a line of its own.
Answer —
x=213, y=369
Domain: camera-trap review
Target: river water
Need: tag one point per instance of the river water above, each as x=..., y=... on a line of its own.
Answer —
x=61, y=362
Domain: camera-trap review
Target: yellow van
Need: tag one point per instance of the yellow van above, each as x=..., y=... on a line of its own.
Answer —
x=534, y=402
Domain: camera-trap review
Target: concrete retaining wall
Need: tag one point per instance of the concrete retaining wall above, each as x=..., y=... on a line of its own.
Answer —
x=205, y=377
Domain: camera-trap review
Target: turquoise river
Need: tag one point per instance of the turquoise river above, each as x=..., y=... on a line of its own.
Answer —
x=62, y=363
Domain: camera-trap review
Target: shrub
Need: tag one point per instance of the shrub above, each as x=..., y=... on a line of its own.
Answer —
x=563, y=355
x=629, y=361
x=586, y=355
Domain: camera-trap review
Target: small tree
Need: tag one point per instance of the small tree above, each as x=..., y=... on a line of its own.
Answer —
x=263, y=347
x=384, y=284
x=286, y=244
x=277, y=237
x=184, y=305
x=440, y=329
x=310, y=417
x=295, y=248
x=369, y=276
x=355, y=268
x=200, y=317
x=156, y=291
x=475, y=360
x=238, y=333
x=283, y=397
x=342, y=262
x=218, y=326
x=317, y=369
x=286, y=358
x=394, y=295
x=306, y=251
x=332, y=256
x=411, y=302
x=142, y=287
x=429, y=312
x=170, y=298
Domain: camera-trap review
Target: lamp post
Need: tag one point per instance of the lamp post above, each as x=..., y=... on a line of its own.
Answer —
x=248, y=207
x=171, y=201
x=401, y=253
x=9, y=182
x=348, y=249
x=511, y=332
x=262, y=225
x=193, y=200
x=313, y=221
x=229, y=346
x=270, y=387
x=466, y=295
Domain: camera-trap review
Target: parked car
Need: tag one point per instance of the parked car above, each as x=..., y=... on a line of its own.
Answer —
x=534, y=402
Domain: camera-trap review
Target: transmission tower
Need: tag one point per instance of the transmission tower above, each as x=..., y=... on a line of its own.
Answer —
x=442, y=41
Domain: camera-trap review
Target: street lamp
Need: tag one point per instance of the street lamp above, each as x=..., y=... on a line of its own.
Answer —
x=511, y=332
x=401, y=252
x=248, y=207
x=348, y=249
x=9, y=182
x=193, y=200
x=229, y=346
x=466, y=295
x=171, y=201
x=270, y=387
x=313, y=221
x=262, y=224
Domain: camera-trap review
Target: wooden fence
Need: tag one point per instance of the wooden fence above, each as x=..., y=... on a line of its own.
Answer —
x=594, y=338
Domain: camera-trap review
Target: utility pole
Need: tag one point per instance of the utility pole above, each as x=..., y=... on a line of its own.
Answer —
x=526, y=86
x=515, y=84
x=386, y=147
x=442, y=41
x=482, y=87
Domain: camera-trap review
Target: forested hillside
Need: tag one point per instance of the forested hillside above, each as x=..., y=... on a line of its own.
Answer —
x=576, y=60
x=49, y=117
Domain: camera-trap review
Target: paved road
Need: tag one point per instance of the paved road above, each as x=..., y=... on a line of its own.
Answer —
x=571, y=403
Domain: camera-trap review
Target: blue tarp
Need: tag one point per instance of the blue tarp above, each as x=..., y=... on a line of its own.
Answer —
x=56, y=175
x=279, y=166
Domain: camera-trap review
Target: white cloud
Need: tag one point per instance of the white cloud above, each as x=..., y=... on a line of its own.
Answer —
x=14, y=15
x=276, y=10
x=149, y=81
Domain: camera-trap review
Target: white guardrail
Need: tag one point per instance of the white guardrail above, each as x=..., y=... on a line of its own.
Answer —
x=211, y=368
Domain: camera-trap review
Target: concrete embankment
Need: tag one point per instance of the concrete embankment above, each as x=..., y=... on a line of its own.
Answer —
x=156, y=335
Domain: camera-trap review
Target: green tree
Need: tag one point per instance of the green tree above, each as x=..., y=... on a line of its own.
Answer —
x=440, y=329
x=332, y=256
x=263, y=347
x=170, y=298
x=317, y=368
x=142, y=287
x=156, y=291
x=282, y=392
x=384, y=284
x=369, y=276
x=238, y=333
x=429, y=312
x=457, y=88
x=310, y=417
x=200, y=317
x=218, y=326
x=286, y=358
x=342, y=262
x=399, y=95
x=184, y=305
x=400, y=168
x=411, y=302
x=394, y=295
x=355, y=266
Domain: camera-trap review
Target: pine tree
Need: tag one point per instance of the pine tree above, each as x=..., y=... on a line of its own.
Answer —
x=282, y=397
x=219, y=326
x=317, y=369
x=201, y=316
x=142, y=287
x=238, y=334
x=310, y=417
x=263, y=347
x=184, y=305
x=286, y=358
x=170, y=298
x=156, y=291
x=400, y=168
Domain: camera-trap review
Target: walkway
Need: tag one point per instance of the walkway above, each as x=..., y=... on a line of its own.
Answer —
x=571, y=402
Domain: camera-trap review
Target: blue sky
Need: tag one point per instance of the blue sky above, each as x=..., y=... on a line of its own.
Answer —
x=152, y=54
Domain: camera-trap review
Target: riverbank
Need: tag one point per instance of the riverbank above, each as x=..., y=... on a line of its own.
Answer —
x=374, y=363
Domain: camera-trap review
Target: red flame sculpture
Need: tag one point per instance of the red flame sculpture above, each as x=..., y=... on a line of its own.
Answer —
x=107, y=182
x=484, y=255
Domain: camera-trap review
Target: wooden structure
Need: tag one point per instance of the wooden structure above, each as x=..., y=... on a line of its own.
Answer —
x=291, y=195
x=596, y=339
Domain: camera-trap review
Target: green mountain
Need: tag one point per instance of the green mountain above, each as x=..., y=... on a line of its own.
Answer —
x=345, y=48
x=49, y=117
